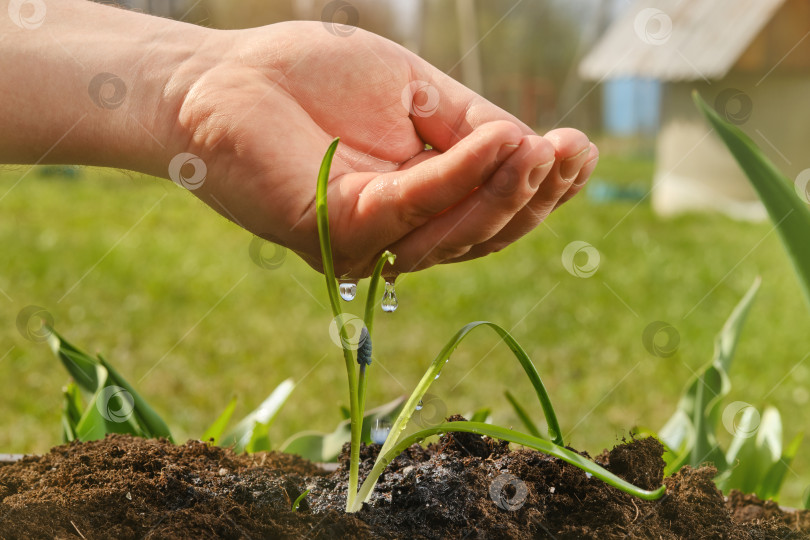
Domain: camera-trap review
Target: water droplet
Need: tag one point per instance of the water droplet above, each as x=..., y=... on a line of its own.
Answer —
x=380, y=430
x=348, y=289
x=437, y=375
x=419, y=405
x=389, y=299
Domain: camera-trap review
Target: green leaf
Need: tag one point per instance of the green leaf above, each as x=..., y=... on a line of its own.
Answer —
x=71, y=412
x=790, y=214
x=771, y=485
x=80, y=365
x=252, y=426
x=690, y=432
x=298, y=500
x=259, y=439
x=523, y=415
x=216, y=429
x=745, y=458
x=148, y=421
x=442, y=358
x=541, y=445
x=481, y=415
x=435, y=369
x=326, y=447
x=322, y=213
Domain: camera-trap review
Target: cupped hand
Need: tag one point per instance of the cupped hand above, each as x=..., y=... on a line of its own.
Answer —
x=263, y=112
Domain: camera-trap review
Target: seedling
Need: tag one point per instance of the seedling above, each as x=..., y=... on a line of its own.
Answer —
x=396, y=443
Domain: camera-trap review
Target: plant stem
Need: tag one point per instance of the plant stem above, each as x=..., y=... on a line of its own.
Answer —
x=322, y=215
x=368, y=319
x=489, y=430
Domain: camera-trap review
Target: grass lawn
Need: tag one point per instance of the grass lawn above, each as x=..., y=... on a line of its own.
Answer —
x=140, y=270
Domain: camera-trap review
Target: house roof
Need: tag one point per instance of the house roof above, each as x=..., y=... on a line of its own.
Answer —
x=677, y=40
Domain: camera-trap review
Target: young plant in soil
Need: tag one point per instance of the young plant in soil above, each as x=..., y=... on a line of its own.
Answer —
x=396, y=443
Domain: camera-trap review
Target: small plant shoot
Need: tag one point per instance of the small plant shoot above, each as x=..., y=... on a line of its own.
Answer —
x=396, y=441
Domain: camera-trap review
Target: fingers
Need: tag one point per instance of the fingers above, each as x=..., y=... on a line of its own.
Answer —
x=481, y=214
x=444, y=111
x=576, y=160
x=394, y=204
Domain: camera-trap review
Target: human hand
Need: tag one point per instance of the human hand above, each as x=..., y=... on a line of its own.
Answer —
x=259, y=107
x=263, y=113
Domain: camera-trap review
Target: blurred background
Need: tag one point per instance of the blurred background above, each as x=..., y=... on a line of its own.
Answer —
x=138, y=269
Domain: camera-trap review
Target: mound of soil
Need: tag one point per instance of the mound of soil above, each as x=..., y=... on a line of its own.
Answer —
x=465, y=486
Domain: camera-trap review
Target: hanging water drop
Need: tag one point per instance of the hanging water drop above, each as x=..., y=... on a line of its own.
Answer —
x=380, y=430
x=437, y=376
x=348, y=290
x=389, y=299
x=419, y=405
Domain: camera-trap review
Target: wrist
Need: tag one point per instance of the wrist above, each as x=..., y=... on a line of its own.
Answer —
x=98, y=85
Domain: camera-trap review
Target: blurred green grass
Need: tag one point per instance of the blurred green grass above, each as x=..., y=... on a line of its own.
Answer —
x=140, y=270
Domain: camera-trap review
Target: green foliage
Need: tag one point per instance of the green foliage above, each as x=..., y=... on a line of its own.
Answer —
x=755, y=461
x=522, y=415
x=789, y=213
x=116, y=407
x=250, y=434
x=691, y=431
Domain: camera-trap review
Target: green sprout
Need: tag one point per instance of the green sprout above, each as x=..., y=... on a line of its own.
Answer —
x=396, y=443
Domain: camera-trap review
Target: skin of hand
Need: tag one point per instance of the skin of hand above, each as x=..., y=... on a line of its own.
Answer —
x=243, y=117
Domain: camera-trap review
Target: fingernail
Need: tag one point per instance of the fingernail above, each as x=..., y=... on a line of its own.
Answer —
x=539, y=173
x=505, y=151
x=587, y=165
x=570, y=167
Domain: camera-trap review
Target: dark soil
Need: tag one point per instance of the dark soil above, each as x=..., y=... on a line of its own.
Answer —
x=462, y=487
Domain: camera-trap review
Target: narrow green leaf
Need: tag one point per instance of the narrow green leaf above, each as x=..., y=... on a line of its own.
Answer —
x=243, y=433
x=80, y=365
x=498, y=432
x=690, y=432
x=259, y=439
x=216, y=429
x=438, y=364
x=322, y=212
x=523, y=415
x=771, y=485
x=298, y=500
x=790, y=214
x=149, y=422
x=71, y=412
x=481, y=415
